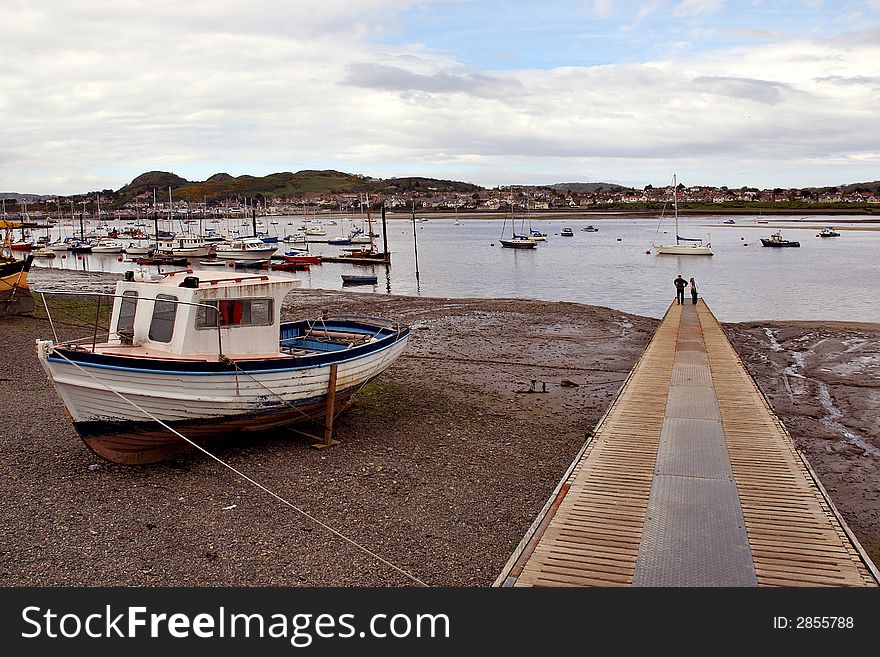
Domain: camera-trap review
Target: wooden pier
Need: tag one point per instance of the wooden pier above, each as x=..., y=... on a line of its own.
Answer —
x=689, y=479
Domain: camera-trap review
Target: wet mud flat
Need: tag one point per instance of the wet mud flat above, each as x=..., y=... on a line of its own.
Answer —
x=823, y=380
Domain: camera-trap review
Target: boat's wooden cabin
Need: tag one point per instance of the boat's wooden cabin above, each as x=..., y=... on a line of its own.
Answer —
x=182, y=314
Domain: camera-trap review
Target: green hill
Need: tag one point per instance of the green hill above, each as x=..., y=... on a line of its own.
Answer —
x=283, y=184
x=222, y=185
x=580, y=188
x=158, y=180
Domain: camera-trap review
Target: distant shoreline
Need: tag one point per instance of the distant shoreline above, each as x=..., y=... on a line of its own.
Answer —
x=469, y=215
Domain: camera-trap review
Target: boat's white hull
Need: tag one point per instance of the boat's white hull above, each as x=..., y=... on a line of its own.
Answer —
x=192, y=252
x=138, y=250
x=682, y=249
x=178, y=396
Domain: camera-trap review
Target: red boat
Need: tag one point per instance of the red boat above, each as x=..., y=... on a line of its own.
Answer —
x=302, y=257
x=290, y=266
x=22, y=246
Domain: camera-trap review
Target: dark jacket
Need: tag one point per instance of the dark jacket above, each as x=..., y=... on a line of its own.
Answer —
x=680, y=283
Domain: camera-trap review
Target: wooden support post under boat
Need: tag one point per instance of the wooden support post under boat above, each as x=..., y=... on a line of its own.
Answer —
x=331, y=410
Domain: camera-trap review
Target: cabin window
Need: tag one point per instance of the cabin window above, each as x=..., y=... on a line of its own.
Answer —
x=162, y=324
x=235, y=312
x=125, y=322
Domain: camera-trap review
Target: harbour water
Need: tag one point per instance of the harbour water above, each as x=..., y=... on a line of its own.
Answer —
x=831, y=279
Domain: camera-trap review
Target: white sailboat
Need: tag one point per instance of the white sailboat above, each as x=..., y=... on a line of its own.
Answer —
x=683, y=245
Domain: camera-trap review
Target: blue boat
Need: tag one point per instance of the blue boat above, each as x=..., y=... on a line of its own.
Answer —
x=349, y=279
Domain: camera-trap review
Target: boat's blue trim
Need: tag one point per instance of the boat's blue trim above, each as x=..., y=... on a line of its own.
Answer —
x=386, y=338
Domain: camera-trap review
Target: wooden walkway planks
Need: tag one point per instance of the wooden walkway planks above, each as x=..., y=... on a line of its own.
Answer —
x=590, y=532
x=594, y=535
x=796, y=537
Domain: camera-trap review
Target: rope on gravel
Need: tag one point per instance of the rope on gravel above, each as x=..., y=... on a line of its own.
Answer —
x=246, y=477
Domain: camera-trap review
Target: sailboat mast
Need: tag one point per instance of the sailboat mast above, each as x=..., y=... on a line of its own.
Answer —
x=155, y=217
x=675, y=204
x=370, y=223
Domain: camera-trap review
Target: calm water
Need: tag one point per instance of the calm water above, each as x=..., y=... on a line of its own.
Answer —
x=825, y=279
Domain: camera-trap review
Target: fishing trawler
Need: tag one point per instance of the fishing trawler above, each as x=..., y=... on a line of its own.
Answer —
x=190, y=359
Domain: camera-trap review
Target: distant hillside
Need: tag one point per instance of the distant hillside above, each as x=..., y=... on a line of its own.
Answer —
x=222, y=185
x=147, y=182
x=422, y=185
x=862, y=187
x=580, y=188
x=283, y=184
x=219, y=177
x=15, y=196
x=851, y=187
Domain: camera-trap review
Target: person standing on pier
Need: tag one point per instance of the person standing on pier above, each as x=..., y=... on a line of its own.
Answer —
x=680, y=284
x=694, y=290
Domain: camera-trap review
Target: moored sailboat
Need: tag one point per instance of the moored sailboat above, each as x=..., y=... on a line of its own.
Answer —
x=683, y=245
x=516, y=240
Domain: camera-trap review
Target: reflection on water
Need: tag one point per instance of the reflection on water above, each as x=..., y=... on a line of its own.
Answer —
x=825, y=279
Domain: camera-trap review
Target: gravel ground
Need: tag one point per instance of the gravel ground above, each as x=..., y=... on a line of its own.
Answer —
x=443, y=463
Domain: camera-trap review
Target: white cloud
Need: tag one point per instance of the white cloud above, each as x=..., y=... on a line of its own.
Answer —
x=94, y=97
x=602, y=7
x=697, y=7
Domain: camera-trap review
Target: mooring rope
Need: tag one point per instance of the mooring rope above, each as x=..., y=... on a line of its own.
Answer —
x=246, y=477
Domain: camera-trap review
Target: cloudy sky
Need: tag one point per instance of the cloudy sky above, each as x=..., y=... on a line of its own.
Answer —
x=757, y=93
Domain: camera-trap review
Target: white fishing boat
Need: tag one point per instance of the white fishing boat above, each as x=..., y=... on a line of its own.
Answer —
x=184, y=246
x=107, y=245
x=43, y=253
x=205, y=357
x=246, y=248
x=139, y=249
x=297, y=237
x=683, y=245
